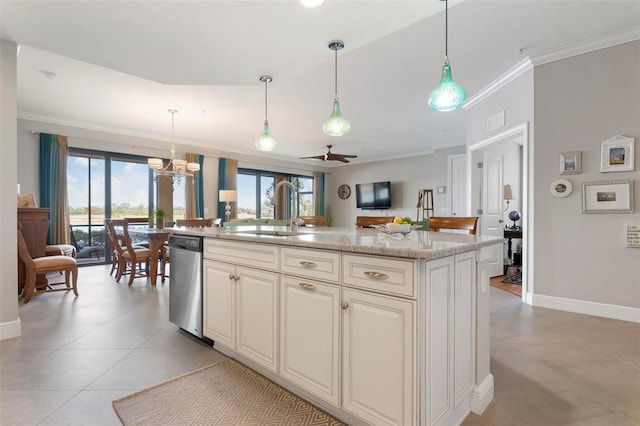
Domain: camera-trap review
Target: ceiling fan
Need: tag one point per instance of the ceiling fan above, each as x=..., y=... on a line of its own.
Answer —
x=330, y=156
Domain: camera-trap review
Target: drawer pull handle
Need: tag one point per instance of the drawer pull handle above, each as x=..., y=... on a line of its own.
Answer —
x=308, y=264
x=378, y=275
x=307, y=286
x=231, y=277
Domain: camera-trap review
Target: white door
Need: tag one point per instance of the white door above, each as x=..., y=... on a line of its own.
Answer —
x=492, y=200
x=257, y=316
x=310, y=336
x=219, y=298
x=458, y=185
x=378, y=342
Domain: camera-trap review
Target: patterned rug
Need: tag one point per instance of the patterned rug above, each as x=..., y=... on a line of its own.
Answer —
x=227, y=393
x=514, y=279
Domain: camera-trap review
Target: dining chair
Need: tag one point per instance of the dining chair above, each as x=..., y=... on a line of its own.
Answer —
x=368, y=221
x=44, y=265
x=165, y=258
x=189, y=223
x=130, y=258
x=314, y=220
x=436, y=223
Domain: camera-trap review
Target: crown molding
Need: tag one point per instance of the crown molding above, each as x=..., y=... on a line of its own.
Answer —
x=585, y=46
x=500, y=82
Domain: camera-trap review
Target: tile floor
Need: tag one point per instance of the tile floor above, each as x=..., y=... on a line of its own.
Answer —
x=77, y=355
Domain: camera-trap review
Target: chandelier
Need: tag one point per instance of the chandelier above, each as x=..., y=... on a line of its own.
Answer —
x=175, y=169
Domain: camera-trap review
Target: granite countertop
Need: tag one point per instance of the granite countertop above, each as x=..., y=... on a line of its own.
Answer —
x=415, y=245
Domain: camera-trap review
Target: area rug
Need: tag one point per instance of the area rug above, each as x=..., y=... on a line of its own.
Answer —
x=227, y=393
x=514, y=279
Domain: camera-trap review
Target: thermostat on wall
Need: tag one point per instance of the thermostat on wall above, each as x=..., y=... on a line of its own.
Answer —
x=442, y=189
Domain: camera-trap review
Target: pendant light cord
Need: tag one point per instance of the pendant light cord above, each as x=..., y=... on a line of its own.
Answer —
x=266, y=82
x=336, y=74
x=446, y=29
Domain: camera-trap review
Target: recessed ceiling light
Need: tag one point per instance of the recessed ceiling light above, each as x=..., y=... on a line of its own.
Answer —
x=311, y=3
x=49, y=74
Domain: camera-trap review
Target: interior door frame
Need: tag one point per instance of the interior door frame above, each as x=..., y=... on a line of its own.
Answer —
x=521, y=132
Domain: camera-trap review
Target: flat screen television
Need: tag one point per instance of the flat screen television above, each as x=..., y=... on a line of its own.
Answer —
x=371, y=196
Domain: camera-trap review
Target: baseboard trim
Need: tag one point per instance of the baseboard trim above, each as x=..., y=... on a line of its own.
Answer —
x=623, y=313
x=482, y=395
x=10, y=329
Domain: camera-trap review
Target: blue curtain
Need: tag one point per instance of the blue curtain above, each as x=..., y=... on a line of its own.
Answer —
x=49, y=150
x=318, y=193
x=198, y=185
x=223, y=181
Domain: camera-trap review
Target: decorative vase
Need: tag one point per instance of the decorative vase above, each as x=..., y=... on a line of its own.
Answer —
x=160, y=223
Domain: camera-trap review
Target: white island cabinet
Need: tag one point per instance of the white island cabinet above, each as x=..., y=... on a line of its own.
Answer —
x=373, y=330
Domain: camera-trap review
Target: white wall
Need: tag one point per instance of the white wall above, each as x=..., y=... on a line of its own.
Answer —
x=580, y=102
x=9, y=321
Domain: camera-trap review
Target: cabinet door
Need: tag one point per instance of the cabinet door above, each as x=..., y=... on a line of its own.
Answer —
x=465, y=314
x=219, y=302
x=257, y=306
x=310, y=336
x=378, y=360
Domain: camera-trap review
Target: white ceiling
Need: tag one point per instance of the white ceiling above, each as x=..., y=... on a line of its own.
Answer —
x=120, y=65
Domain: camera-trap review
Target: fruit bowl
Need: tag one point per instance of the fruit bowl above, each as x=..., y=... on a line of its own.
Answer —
x=394, y=228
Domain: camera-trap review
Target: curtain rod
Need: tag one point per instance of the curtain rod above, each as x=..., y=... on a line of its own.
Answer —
x=33, y=132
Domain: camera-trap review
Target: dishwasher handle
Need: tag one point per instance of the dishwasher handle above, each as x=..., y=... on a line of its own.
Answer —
x=186, y=243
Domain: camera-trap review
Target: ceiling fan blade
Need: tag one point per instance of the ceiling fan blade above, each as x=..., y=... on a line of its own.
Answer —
x=347, y=155
x=317, y=157
x=344, y=160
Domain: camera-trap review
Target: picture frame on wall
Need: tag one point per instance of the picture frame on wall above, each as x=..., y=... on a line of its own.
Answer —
x=570, y=162
x=607, y=197
x=616, y=154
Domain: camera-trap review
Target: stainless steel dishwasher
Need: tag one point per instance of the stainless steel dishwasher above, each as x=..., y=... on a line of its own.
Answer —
x=185, y=290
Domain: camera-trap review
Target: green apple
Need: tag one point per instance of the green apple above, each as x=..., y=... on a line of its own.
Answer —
x=406, y=219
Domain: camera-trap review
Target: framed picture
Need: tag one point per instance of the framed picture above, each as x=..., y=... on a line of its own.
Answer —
x=616, y=154
x=570, y=163
x=607, y=197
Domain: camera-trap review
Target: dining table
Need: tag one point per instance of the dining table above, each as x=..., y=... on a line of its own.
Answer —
x=156, y=238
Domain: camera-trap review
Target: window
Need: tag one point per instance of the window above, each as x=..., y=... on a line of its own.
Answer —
x=255, y=189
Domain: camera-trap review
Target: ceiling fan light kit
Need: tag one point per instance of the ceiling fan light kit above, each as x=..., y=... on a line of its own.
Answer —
x=336, y=124
x=448, y=95
x=266, y=142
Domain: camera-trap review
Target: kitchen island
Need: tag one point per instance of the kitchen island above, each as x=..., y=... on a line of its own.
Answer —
x=373, y=328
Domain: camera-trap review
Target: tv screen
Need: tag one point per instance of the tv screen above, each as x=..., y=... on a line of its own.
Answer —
x=376, y=195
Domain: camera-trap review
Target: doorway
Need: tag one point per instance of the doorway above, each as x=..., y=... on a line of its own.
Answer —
x=475, y=152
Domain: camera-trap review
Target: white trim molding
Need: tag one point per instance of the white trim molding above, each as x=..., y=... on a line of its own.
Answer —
x=535, y=59
x=10, y=329
x=586, y=46
x=623, y=313
x=482, y=395
x=500, y=82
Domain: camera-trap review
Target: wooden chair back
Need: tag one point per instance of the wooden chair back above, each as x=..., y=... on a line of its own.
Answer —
x=129, y=256
x=314, y=220
x=368, y=221
x=190, y=223
x=44, y=265
x=470, y=224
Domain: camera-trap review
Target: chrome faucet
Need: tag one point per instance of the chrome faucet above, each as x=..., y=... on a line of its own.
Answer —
x=292, y=220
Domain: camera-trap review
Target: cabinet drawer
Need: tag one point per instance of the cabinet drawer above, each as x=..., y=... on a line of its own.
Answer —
x=319, y=264
x=394, y=276
x=263, y=256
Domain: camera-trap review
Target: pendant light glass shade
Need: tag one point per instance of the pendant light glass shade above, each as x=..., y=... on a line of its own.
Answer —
x=448, y=95
x=336, y=124
x=266, y=141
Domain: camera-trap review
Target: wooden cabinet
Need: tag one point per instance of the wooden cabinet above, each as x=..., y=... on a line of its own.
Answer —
x=241, y=310
x=35, y=226
x=378, y=349
x=310, y=336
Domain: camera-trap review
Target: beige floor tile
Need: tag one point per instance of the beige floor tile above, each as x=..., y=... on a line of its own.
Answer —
x=492, y=416
x=87, y=408
x=30, y=407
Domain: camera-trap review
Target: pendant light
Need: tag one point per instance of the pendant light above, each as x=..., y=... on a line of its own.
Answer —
x=448, y=95
x=336, y=124
x=265, y=141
